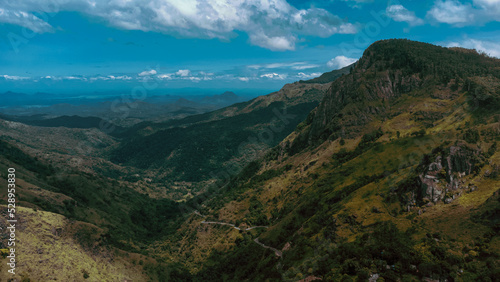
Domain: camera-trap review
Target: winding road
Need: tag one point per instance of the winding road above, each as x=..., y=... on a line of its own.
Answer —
x=276, y=251
x=256, y=240
x=232, y=225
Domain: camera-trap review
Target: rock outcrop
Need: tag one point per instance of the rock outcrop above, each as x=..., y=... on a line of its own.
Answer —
x=444, y=177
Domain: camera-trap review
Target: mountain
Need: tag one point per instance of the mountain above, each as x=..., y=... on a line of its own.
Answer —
x=11, y=98
x=80, y=203
x=215, y=144
x=66, y=121
x=394, y=175
x=83, y=219
x=226, y=98
x=121, y=110
x=389, y=172
x=331, y=75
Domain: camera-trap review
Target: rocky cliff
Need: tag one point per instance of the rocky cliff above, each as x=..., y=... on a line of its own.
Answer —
x=445, y=177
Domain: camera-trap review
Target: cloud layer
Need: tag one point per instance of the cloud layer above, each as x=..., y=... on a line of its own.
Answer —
x=457, y=13
x=24, y=19
x=271, y=24
x=400, y=14
x=489, y=47
x=340, y=62
x=276, y=71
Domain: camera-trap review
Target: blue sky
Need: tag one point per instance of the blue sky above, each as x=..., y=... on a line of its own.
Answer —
x=74, y=46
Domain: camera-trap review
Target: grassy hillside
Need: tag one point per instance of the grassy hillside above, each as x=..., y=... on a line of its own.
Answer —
x=56, y=248
x=83, y=225
x=394, y=175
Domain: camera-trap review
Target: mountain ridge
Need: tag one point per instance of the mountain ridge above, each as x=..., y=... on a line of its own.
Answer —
x=391, y=174
x=224, y=133
x=338, y=185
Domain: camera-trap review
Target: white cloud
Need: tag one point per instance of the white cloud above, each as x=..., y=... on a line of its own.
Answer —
x=281, y=65
x=274, y=76
x=99, y=78
x=451, y=12
x=164, y=76
x=112, y=77
x=24, y=19
x=245, y=79
x=293, y=65
x=271, y=24
x=340, y=62
x=347, y=28
x=302, y=75
x=277, y=43
x=95, y=78
x=225, y=77
x=199, y=78
x=123, y=77
x=488, y=4
x=304, y=67
x=489, y=9
x=147, y=73
x=52, y=77
x=183, y=73
x=71, y=77
x=400, y=14
x=456, y=13
x=14, y=77
x=459, y=14
x=489, y=47
x=194, y=79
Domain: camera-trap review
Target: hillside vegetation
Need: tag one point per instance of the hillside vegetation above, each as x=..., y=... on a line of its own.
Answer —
x=388, y=173
x=82, y=225
x=394, y=175
x=199, y=147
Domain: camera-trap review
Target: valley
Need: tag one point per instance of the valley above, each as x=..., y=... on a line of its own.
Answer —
x=386, y=168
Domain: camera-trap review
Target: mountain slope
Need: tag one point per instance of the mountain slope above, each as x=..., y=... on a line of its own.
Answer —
x=393, y=175
x=84, y=220
x=200, y=147
x=331, y=76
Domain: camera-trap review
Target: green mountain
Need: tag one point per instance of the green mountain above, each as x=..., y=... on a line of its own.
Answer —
x=80, y=219
x=386, y=170
x=80, y=203
x=201, y=147
x=393, y=176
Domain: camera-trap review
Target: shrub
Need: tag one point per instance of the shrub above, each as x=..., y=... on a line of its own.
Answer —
x=471, y=136
x=419, y=133
x=85, y=274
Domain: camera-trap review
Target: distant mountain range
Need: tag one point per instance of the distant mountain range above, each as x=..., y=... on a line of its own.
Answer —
x=121, y=110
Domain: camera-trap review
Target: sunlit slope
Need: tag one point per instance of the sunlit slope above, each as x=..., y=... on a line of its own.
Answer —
x=394, y=174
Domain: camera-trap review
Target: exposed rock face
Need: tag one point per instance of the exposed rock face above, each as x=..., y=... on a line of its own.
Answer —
x=445, y=174
x=430, y=182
